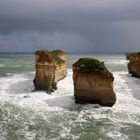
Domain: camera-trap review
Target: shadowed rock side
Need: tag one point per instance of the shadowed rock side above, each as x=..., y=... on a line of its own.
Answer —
x=134, y=63
x=50, y=68
x=93, y=83
x=128, y=56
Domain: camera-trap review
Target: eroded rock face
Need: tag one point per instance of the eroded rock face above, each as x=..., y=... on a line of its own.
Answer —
x=93, y=83
x=50, y=68
x=134, y=63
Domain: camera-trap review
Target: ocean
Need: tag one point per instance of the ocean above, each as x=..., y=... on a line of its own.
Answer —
x=26, y=114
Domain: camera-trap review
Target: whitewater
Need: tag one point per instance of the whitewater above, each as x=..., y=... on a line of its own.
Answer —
x=26, y=114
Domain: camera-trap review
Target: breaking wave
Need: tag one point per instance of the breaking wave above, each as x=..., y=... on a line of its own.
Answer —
x=29, y=114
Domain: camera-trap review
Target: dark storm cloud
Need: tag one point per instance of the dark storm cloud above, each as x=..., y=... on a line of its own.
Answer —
x=72, y=25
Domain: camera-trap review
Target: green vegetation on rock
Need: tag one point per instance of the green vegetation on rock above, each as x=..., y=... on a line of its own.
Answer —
x=55, y=55
x=87, y=65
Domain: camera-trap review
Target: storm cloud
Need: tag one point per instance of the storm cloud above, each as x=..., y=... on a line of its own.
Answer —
x=70, y=25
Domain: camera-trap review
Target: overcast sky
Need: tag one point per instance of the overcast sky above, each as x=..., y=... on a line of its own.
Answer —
x=70, y=25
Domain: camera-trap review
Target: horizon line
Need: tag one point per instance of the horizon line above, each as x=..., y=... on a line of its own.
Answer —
x=67, y=52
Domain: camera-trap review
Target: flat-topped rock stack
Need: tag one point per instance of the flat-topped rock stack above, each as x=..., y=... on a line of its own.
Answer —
x=134, y=63
x=93, y=83
x=51, y=66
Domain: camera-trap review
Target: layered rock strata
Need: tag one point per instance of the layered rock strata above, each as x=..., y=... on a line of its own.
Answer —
x=134, y=63
x=93, y=83
x=50, y=68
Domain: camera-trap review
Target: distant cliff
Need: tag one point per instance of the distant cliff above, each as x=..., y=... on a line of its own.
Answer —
x=134, y=63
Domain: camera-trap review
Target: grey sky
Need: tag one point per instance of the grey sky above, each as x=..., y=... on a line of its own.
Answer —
x=70, y=25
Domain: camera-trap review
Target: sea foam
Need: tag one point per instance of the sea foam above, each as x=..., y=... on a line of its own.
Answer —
x=18, y=90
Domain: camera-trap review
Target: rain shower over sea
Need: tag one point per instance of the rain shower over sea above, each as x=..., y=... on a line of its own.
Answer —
x=28, y=115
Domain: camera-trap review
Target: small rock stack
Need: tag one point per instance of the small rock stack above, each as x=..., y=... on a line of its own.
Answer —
x=50, y=68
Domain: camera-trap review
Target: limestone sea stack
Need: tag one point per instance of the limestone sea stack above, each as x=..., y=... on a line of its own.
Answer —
x=93, y=83
x=134, y=63
x=51, y=66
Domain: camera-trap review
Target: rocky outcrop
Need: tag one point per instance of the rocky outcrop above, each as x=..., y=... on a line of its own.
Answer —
x=134, y=63
x=93, y=83
x=50, y=68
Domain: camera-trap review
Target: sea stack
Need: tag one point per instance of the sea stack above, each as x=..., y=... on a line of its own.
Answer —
x=134, y=63
x=51, y=66
x=93, y=83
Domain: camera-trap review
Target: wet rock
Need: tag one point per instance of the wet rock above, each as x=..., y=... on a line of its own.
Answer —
x=26, y=96
x=93, y=83
x=50, y=68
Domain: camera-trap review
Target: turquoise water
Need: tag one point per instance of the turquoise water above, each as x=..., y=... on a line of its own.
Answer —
x=28, y=115
x=19, y=63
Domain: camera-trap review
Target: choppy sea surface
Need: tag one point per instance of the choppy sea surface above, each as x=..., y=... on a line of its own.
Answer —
x=26, y=114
